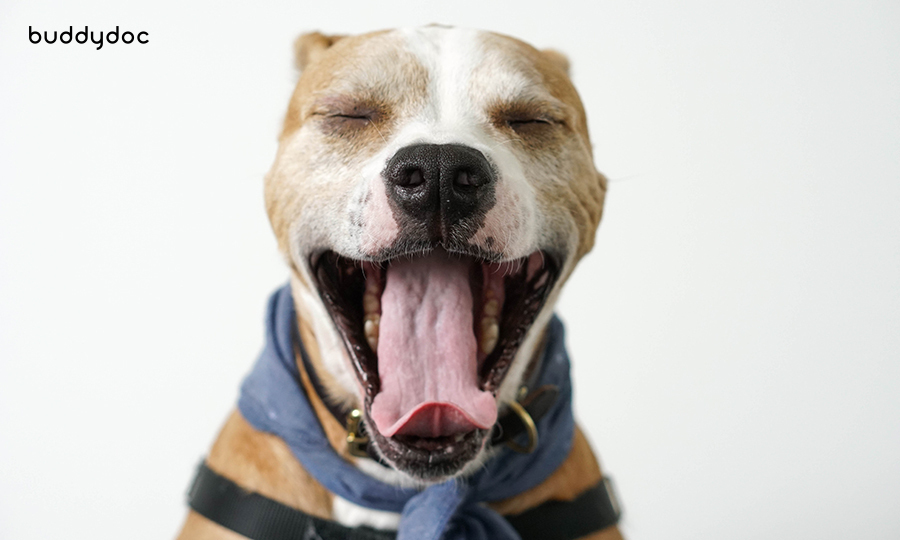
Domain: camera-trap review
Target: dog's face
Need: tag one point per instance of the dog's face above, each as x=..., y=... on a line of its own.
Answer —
x=432, y=191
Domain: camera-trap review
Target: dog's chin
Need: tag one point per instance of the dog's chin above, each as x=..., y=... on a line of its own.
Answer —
x=431, y=459
x=431, y=337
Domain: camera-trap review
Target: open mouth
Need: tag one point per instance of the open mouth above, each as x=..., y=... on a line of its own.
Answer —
x=431, y=338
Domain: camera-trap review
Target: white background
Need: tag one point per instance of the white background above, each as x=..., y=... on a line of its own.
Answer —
x=734, y=332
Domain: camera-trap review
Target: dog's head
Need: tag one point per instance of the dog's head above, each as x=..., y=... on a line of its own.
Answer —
x=432, y=191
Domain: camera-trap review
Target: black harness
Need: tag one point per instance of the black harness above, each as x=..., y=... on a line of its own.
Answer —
x=260, y=518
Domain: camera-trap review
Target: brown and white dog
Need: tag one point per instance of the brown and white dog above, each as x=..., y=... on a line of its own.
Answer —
x=432, y=191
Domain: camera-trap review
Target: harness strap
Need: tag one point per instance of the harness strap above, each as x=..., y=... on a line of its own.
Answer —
x=257, y=517
x=592, y=511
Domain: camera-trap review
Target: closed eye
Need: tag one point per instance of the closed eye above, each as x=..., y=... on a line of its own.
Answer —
x=347, y=115
x=528, y=127
x=528, y=116
x=525, y=121
x=345, y=123
x=365, y=117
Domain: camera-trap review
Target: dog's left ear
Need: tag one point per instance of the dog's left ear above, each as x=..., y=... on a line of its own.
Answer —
x=557, y=58
x=309, y=47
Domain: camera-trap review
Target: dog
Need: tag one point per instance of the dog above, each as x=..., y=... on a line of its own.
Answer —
x=432, y=191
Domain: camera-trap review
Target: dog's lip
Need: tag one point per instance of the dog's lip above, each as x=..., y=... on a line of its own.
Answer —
x=417, y=249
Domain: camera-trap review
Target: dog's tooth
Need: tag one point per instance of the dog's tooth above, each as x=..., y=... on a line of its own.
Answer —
x=488, y=344
x=371, y=324
x=490, y=331
x=370, y=329
x=485, y=323
x=459, y=437
x=491, y=308
x=371, y=303
x=372, y=286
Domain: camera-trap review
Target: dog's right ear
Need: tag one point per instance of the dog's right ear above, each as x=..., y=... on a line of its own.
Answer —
x=309, y=47
x=557, y=58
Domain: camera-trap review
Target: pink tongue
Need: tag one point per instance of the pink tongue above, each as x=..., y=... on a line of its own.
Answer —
x=427, y=352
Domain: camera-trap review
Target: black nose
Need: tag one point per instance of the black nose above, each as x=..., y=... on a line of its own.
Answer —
x=443, y=188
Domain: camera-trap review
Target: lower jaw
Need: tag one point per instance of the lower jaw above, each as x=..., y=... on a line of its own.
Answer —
x=431, y=460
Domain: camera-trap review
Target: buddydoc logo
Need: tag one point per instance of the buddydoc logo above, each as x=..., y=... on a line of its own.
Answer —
x=82, y=36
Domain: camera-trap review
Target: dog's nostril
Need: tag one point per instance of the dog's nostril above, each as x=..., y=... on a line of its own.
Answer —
x=409, y=178
x=415, y=178
x=464, y=179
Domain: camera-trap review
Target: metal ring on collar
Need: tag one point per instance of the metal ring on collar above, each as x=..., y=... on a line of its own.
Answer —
x=529, y=426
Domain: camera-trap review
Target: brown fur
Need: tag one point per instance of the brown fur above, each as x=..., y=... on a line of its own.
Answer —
x=558, y=58
x=325, y=60
x=308, y=48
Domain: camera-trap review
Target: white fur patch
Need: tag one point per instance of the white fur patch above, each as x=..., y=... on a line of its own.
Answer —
x=348, y=514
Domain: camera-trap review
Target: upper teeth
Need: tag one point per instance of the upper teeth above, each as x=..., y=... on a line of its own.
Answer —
x=490, y=331
x=371, y=304
x=370, y=328
x=490, y=328
x=371, y=313
x=491, y=308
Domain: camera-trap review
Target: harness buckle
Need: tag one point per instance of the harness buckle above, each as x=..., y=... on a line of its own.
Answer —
x=357, y=443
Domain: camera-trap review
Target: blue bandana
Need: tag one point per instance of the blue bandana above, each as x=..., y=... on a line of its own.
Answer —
x=273, y=400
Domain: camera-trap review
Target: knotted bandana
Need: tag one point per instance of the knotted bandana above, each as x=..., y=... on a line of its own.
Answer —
x=273, y=400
